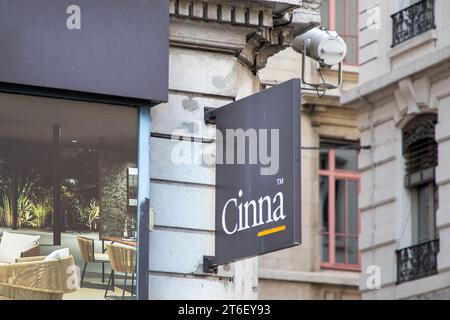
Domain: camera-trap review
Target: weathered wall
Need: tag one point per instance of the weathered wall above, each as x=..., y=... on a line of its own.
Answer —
x=204, y=72
x=408, y=80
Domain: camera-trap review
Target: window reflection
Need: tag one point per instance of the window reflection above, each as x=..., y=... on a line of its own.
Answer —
x=339, y=189
x=82, y=150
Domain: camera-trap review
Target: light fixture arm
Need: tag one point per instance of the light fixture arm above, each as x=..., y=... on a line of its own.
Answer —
x=318, y=86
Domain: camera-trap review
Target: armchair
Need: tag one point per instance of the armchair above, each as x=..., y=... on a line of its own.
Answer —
x=36, y=279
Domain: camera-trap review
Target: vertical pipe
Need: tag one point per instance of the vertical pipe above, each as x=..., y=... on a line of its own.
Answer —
x=56, y=173
x=143, y=208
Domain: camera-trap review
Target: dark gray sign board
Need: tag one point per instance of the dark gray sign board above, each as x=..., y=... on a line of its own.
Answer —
x=243, y=188
x=111, y=51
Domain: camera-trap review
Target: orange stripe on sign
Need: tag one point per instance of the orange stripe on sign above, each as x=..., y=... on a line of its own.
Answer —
x=271, y=231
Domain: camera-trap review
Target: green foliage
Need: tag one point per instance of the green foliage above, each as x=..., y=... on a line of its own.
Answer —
x=5, y=212
x=27, y=170
x=33, y=203
x=89, y=215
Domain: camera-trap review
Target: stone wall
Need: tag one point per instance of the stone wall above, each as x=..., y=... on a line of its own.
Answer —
x=213, y=61
x=113, y=190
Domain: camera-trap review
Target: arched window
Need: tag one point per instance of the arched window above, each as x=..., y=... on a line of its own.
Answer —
x=420, y=151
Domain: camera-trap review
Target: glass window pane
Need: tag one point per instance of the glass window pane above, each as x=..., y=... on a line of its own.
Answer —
x=340, y=17
x=340, y=250
x=324, y=195
x=352, y=207
x=325, y=14
x=352, y=17
x=353, y=250
x=340, y=207
x=346, y=159
x=97, y=144
x=325, y=253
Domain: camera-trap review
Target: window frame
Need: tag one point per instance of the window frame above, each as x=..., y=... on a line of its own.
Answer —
x=426, y=173
x=346, y=34
x=333, y=175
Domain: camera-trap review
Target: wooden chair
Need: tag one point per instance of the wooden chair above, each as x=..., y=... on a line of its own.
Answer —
x=123, y=260
x=36, y=279
x=88, y=254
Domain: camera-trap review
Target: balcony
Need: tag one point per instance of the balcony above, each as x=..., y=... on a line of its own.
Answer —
x=416, y=262
x=413, y=21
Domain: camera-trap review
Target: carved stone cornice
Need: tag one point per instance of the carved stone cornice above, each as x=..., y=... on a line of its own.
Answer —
x=274, y=24
x=231, y=12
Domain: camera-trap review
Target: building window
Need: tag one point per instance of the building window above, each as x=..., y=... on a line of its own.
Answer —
x=339, y=190
x=412, y=21
x=420, y=151
x=342, y=16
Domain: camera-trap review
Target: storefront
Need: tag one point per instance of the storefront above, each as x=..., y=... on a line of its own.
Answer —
x=75, y=119
x=77, y=123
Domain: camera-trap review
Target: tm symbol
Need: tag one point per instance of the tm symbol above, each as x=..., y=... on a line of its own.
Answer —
x=280, y=181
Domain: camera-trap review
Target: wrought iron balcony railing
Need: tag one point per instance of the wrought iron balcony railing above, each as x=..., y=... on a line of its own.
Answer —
x=413, y=21
x=417, y=262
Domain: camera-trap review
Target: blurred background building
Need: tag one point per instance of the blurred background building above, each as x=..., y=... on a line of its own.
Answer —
x=402, y=101
x=327, y=264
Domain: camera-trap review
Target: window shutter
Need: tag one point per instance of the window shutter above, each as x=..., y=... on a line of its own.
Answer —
x=420, y=151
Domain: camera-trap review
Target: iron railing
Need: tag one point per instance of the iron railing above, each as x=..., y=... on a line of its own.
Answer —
x=413, y=21
x=419, y=261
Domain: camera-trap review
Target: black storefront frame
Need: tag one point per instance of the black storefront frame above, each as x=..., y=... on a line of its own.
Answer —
x=143, y=207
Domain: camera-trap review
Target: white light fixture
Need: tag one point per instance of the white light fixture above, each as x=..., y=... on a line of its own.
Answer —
x=325, y=47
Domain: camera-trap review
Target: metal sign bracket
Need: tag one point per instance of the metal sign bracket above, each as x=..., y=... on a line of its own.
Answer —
x=209, y=266
x=210, y=115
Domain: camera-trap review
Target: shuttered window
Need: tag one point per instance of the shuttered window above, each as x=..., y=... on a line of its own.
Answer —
x=420, y=151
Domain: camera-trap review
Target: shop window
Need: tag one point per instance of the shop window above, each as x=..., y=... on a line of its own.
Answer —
x=342, y=16
x=67, y=161
x=339, y=184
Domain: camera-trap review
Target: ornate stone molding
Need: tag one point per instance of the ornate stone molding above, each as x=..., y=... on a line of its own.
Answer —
x=275, y=24
x=263, y=44
x=231, y=12
x=412, y=98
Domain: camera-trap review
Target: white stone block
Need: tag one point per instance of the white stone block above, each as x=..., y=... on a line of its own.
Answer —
x=212, y=11
x=185, y=113
x=179, y=252
x=203, y=72
x=191, y=171
x=175, y=288
x=197, y=11
x=183, y=206
x=239, y=15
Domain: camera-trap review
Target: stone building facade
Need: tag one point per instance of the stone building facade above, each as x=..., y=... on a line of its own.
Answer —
x=403, y=102
x=216, y=50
